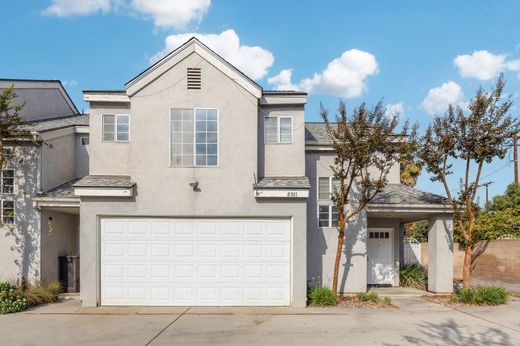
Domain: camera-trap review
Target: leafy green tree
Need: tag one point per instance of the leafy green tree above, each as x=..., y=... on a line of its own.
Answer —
x=11, y=123
x=364, y=141
x=419, y=230
x=475, y=137
x=501, y=217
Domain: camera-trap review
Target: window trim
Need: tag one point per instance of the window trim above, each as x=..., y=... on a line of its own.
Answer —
x=278, y=129
x=2, y=181
x=116, y=116
x=2, y=212
x=330, y=178
x=194, y=162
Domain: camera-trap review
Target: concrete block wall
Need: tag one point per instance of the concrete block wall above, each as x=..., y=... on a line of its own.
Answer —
x=496, y=262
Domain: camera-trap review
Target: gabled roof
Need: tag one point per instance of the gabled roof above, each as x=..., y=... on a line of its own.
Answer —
x=44, y=98
x=316, y=133
x=57, y=123
x=399, y=194
x=177, y=55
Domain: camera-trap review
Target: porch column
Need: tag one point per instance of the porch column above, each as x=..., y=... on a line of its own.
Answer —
x=440, y=254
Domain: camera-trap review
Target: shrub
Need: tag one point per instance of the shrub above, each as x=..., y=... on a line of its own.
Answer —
x=412, y=275
x=323, y=296
x=368, y=297
x=41, y=292
x=10, y=299
x=387, y=301
x=483, y=295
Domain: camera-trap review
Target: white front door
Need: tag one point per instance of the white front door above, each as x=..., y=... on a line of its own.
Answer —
x=380, y=256
x=166, y=261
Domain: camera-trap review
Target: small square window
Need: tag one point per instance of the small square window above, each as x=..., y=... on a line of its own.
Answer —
x=7, y=212
x=116, y=128
x=85, y=141
x=278, y=129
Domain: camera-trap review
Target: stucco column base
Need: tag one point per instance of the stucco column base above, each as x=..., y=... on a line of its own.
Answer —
x=440, y=254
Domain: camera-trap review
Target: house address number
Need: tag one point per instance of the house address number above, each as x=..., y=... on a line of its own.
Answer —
x=292, y=194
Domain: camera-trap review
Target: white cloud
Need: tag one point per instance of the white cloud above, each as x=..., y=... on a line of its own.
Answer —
x=282, y=81
x=175, y=14
x=484, y=65
x=172, y=13
x=394, y=109
x=70, y=83
x=440, y=97
x=344, y=76
x=253, y=61
x=67, y=8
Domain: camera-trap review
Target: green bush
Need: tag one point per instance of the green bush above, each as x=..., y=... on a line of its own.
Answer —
x=412, y=275
x=10, y=299
x=387, y=301
x=323, y=296
x=368, y=297
x=482, y=295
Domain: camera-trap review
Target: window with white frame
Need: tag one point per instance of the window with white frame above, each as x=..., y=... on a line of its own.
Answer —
x=278, y=129
x=327, y=215
x=326, y=186
x=194, y=137
x=7, y=181
x=7, y=212
x=116, y=127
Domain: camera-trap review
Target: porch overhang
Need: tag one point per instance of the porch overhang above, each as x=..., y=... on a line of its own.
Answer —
x=104, y=186
x=407, y=204
x=49, y=202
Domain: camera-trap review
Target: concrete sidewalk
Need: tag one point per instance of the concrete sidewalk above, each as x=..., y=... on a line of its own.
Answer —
x=416, y=322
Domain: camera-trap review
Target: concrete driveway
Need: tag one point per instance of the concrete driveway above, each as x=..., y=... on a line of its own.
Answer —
x=416, y=322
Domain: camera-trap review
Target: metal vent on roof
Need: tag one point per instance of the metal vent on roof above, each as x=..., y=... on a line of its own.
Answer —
x=194, y=78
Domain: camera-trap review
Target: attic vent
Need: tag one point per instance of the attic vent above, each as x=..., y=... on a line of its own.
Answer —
x=194, y=78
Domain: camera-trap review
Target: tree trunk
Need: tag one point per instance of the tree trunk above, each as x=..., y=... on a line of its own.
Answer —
x=466, y=269
x=341, y=237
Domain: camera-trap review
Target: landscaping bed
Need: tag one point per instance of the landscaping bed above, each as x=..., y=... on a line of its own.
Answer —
x=473, y=296
x=321, y=296
x=16, y=298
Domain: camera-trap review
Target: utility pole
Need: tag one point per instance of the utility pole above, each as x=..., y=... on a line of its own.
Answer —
x=486, y=186
x=515, y=155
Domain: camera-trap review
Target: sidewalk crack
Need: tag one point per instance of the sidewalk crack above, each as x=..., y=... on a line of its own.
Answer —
x=168, y=326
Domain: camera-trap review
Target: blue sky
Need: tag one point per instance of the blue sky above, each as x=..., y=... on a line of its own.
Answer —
x=418, y=55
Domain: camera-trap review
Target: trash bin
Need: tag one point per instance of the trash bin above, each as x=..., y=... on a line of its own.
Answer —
x=69, y=273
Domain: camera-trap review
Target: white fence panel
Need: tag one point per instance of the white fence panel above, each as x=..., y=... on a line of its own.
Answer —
x=412, y=251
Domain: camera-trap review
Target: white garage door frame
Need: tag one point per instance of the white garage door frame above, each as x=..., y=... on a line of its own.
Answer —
x=288, y=301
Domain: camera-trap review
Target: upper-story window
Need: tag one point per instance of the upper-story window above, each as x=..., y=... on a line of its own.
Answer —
x=7, y=181
x=326, y=186
x=194, y=137
x=116, y=127
x=327, y=212
x=278, y=129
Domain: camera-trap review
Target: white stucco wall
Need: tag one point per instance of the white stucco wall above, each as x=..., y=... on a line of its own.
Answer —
x=282, y=159
x=164, y=191
x=20, y=243
x=58, y=163
x=111, y=158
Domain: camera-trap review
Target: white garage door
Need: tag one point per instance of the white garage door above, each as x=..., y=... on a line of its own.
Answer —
x=195, y=262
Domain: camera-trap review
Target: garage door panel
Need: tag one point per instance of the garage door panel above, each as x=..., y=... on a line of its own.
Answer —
x=195, y=262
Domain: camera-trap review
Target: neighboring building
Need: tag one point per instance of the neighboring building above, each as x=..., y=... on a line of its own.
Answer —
x=205, y=189
x=32, y=237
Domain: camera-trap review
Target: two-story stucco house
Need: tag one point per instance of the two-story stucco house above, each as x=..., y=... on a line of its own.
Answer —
x=32, y=236
x=205, y=189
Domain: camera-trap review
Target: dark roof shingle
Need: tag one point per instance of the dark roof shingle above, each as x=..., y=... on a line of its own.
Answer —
x=113, y=181
x=283, y=183
x=402, y=194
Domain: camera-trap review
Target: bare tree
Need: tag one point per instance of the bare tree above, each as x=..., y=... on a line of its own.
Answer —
x=476, y=137
x=366, y=148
